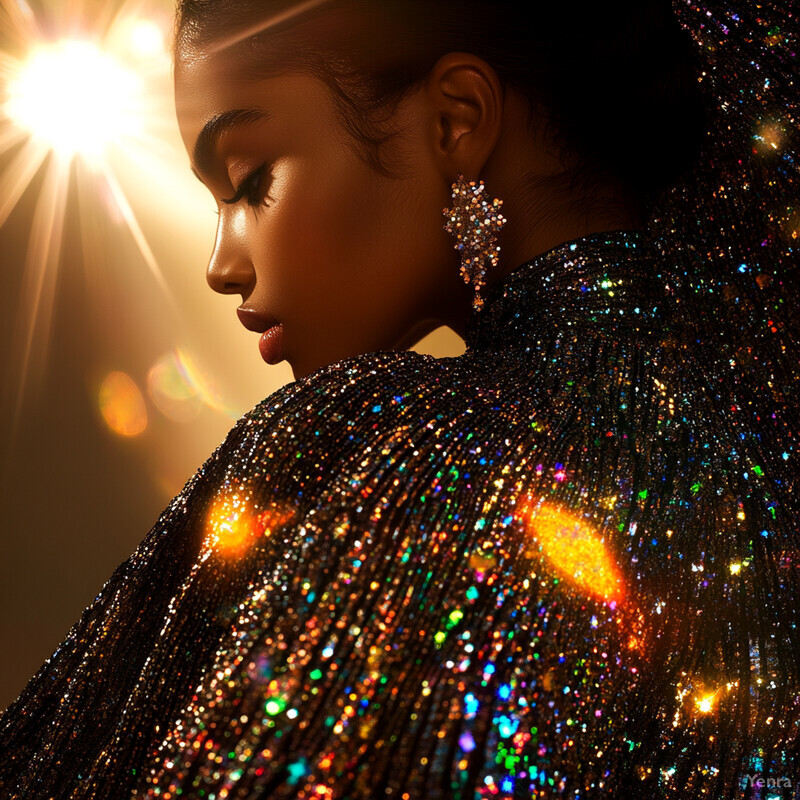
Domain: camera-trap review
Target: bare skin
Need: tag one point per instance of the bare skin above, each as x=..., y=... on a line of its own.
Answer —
x=350, y=261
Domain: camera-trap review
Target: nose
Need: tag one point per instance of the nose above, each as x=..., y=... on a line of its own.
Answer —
x=230, y=270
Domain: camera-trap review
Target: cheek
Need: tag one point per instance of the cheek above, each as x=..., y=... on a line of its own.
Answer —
x=286, y=238
x=324, y=234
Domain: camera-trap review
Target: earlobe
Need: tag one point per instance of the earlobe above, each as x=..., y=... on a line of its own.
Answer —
x=468, y=98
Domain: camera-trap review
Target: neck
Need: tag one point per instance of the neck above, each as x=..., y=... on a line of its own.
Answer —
x=537, y=226
x=542, y=237
x=549, y=196
x=606, y=282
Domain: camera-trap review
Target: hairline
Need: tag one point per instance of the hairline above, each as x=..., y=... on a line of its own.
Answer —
x=250, y=62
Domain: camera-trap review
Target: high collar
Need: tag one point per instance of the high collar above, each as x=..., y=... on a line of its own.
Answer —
x=606, y=281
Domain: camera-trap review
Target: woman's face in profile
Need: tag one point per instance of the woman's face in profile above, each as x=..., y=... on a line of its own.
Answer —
x=310, y=236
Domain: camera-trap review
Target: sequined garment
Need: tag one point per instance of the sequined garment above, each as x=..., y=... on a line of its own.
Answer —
x=552, y=566
x=563, y=564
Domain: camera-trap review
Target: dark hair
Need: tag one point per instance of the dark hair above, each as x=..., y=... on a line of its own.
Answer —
x=618, y=81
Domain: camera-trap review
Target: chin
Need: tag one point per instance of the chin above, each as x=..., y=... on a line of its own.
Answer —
x=303, y=367
x=298, y=373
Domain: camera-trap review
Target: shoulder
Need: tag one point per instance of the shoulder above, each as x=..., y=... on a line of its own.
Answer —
x=355, y=378
x=375, y=386
x=315, y=431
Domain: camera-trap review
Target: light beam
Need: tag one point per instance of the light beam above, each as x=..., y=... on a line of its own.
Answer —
x=75, y=98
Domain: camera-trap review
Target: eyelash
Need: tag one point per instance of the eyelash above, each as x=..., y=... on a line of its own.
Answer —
x=251, y=188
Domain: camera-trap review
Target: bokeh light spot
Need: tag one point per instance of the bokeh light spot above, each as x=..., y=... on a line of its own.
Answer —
x=146, y=38
x=122, y=405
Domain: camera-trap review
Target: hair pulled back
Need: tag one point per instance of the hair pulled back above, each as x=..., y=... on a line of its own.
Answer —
x=617, y=82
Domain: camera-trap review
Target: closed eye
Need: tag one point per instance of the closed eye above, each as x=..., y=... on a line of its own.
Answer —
x=252, y=189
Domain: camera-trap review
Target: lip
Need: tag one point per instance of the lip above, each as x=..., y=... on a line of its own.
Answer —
x=255, y=320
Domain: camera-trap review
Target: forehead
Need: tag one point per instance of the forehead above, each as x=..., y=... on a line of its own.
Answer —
x=207, y=86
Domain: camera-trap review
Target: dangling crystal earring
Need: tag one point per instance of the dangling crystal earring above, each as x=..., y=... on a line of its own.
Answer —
x=474, y=223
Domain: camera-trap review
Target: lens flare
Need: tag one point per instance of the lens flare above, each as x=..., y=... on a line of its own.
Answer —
x=276, y=19
x=75, y=98
x=198, y=380
x=174, y=396
x=122, y=405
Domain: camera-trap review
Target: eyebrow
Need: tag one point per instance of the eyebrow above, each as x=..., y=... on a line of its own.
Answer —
x=216, y=127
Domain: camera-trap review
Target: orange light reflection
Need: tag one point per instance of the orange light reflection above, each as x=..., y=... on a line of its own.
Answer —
x=574, y=550
x=232, y=528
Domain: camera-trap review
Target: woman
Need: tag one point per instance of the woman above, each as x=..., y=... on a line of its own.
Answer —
x=562, y=564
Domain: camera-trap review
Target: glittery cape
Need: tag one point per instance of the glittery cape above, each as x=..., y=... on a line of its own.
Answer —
x=552, y=566
x=563, y=564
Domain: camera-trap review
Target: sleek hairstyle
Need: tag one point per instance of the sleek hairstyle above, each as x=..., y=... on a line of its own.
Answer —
x=617, y=82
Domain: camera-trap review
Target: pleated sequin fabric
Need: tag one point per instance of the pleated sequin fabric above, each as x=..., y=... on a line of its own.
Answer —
x=563, y=564
x=554, y=566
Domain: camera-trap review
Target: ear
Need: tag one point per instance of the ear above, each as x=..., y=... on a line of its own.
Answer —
x=466, y=99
